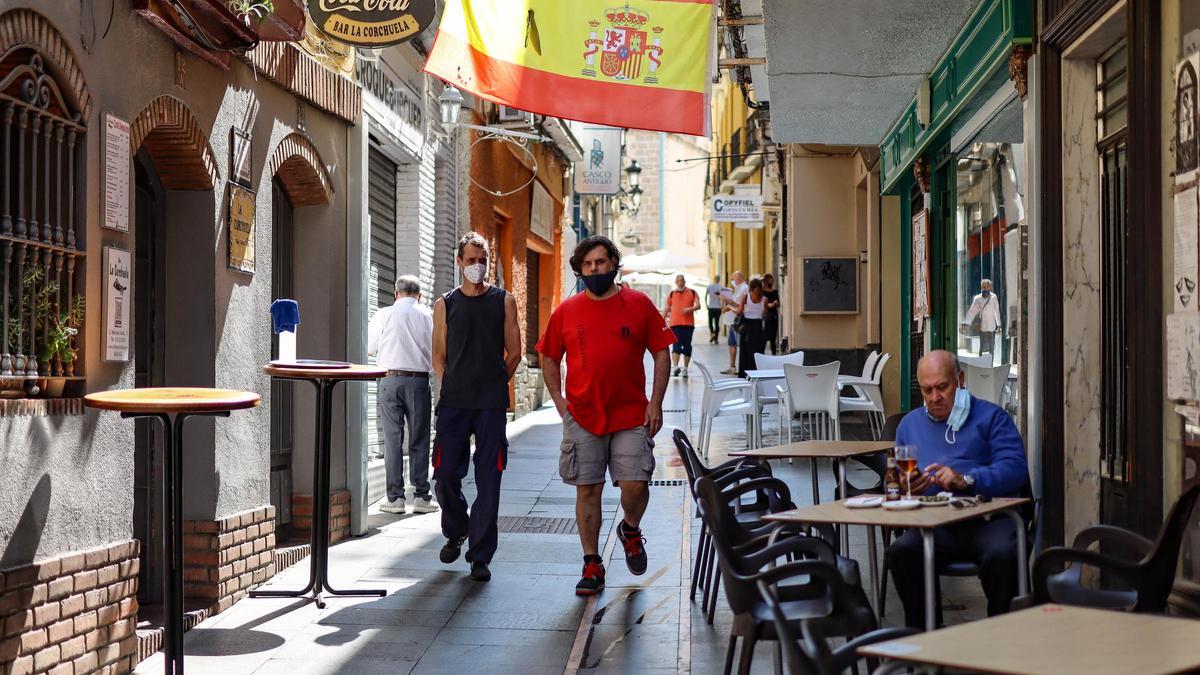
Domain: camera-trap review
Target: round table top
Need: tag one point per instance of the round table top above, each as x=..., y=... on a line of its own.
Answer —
x=172, y=400
x=351, y=372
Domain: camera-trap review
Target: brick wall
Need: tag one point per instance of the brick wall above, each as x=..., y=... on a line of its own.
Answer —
x=339, y=515
x=224, y=558
x=72, y=614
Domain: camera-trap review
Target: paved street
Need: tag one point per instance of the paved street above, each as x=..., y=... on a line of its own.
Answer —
x=527, y=619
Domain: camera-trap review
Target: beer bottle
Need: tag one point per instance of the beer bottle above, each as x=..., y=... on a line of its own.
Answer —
x=891, y=478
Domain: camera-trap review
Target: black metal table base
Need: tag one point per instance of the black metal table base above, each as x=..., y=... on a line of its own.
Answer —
x=173, y=532
x=318, y=578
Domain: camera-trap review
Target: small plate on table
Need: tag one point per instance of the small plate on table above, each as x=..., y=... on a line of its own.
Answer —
x=902, y=505
x=311, y=364
x=940, y=499
x=863, y=502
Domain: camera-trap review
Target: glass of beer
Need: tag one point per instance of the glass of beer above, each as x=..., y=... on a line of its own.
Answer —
x=906, y=461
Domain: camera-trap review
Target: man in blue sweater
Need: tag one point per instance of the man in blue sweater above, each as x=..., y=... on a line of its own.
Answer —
x=969, y=447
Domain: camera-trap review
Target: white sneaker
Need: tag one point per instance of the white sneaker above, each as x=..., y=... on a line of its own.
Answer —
x=424, y=505
x=393, y=506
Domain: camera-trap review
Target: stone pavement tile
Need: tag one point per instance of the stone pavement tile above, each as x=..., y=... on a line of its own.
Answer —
x=343, y=663
x=325, y=642
x=498, y=648
x=633, y=648
x=386, y=617
x=222, y=651
x=628, y=607
x=555, y=617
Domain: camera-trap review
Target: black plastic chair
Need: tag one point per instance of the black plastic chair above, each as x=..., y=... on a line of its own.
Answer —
x=812, y=653
x=1149, y=578
x=728, y=473
x=742, y=561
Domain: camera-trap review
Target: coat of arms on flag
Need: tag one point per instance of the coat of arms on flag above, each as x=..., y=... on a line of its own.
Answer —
x=623, y=45
x=584, y=60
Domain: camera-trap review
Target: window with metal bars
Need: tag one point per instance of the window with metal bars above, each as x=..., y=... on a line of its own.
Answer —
x=41, y=162
x=1112, y=132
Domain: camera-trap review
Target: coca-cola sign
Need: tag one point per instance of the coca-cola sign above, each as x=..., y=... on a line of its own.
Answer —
x=372, y=23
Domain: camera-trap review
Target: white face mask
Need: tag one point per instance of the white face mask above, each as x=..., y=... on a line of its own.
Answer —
x=475, y=273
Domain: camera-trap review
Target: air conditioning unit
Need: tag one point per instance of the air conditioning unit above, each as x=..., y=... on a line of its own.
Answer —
x=514, y=118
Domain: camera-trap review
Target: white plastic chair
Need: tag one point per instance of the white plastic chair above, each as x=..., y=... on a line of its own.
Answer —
x=766, y=388
x=723, y=398
x=812, y=395
x=987, y=383
x=868, y=397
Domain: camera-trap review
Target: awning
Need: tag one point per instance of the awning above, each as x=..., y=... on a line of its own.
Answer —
x=208, y=29
x=841, y=72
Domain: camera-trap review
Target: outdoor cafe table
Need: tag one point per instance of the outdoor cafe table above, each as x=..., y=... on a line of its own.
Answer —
x=925, y=519
x=776, y=375
x=324, y=378
x=172, y=406
x=838, y=451
x=1055, y=639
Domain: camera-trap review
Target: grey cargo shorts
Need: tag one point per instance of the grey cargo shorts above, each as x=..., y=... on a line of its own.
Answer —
x=626, y=455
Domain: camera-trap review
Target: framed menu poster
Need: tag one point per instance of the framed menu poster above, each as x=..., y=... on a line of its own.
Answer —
x=118, y=294
x=920, y=265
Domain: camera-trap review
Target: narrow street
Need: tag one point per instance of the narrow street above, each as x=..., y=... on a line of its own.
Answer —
x=527, y=619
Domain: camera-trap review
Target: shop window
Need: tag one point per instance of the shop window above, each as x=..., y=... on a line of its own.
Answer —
x=41, y=262
x=989, y=215
x=1112, y=130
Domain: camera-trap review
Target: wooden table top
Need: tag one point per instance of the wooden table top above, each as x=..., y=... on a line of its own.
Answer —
x=922, y=518
x=807, y=449
x=1056, y=639
x=351, y=372
x=172, y=400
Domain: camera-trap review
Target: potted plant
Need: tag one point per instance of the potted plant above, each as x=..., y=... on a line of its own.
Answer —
x=60, y=344
x=247, y=9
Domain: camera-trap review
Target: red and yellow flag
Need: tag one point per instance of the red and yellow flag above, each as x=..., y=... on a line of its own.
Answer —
x=642, y=64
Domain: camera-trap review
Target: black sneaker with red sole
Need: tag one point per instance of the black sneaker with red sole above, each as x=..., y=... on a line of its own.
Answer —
x=592, y=581
x=635, y=549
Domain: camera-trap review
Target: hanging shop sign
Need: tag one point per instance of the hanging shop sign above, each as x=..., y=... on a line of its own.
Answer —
x=117, y=292
x=241, y=229
x=116, y=173
x=392, y=102
x=600, y=173
x=737, y=209
x=372, y=23
x=541, y=213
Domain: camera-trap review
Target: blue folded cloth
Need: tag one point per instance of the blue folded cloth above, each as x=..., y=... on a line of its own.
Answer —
x=285, y=316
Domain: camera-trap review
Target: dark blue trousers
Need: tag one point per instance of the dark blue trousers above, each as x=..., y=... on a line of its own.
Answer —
x=451, y=456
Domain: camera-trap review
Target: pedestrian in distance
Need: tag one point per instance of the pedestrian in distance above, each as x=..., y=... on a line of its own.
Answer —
x=713, y=292
x=771, y=319
x=608, y=423
x=983, y=318
x=400, y=337
x=730, y=303
x=476, y=349
x=751, y=341
x=680, y=313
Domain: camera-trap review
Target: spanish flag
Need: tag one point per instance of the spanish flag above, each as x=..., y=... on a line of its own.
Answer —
x=642, y=64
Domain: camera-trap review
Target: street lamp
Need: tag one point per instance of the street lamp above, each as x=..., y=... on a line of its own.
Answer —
x=451, y=100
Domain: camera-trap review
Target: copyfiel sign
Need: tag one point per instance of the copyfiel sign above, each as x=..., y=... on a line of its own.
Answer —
x=737, y=208
x=372, y=23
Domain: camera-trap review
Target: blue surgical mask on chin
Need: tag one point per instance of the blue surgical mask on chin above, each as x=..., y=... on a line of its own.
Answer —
x=958, y=414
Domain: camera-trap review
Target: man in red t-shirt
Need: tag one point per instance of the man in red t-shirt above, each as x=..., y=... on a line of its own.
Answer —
x=608, y=424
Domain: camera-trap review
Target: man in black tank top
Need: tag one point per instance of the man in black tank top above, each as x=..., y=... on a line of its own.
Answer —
x=476, y=349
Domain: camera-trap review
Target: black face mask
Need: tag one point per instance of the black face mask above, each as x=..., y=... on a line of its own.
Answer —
x=599, y=284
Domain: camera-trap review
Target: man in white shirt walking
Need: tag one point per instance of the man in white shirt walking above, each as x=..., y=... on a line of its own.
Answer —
x=986, y=308
x=732, y=301
x=400, y=338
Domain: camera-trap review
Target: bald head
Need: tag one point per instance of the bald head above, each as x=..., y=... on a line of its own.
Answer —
x=738, y=277
x=939, y=377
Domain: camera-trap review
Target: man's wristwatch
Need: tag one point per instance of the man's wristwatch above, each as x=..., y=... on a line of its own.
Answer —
x=969, y=480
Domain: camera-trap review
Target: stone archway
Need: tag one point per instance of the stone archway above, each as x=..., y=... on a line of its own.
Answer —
x=179, y=147
x=27, y=28
x=298, y=166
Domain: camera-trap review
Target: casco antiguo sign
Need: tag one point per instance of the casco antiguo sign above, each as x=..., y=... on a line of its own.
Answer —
x=372, y=23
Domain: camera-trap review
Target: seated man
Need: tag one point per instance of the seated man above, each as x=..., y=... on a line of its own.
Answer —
x=970, y=447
